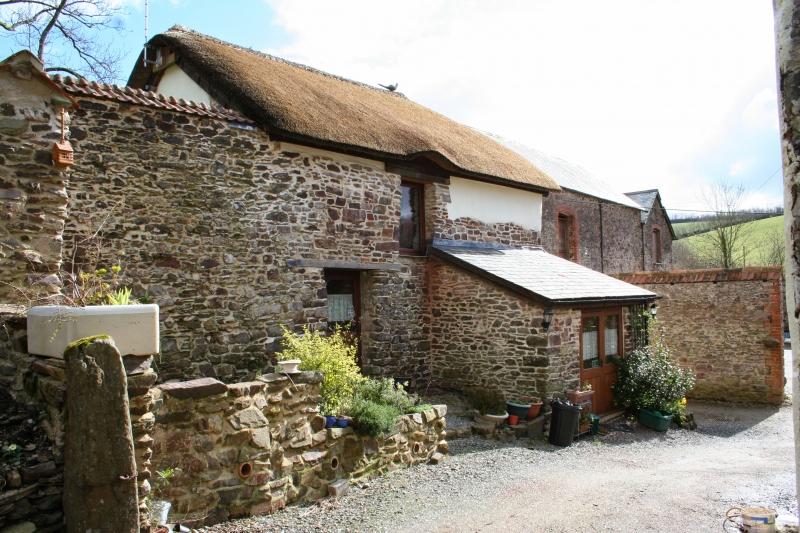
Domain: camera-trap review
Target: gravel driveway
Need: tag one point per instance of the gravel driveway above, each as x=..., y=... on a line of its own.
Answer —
x=634, y=479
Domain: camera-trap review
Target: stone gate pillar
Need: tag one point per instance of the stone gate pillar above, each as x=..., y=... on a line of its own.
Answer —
x=100, y=482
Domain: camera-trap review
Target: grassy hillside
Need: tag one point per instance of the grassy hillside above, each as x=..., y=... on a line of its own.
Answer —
x=683, y=229
x=762, y=238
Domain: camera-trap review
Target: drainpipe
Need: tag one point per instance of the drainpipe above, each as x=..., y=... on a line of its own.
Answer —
x=643, y=265
x=602, y=247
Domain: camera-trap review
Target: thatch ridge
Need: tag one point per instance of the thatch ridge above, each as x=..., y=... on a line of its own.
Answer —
x=306, y=104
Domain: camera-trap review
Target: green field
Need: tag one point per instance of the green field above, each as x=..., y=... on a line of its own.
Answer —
x=755, y=248
x=682, y=229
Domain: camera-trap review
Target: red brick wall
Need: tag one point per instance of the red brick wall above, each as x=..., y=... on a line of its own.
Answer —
x=725, y=324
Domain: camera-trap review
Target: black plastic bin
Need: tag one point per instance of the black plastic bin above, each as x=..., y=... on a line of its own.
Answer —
x=563, y=422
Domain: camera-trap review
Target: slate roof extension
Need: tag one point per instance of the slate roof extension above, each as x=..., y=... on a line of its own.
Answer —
x=538, y=275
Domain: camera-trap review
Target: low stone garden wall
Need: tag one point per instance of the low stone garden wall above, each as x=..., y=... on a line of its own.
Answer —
x=237, y=450
x=252, y=448
x=34, y=481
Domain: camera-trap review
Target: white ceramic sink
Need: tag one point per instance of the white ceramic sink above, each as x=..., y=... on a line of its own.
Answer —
x=134, y=328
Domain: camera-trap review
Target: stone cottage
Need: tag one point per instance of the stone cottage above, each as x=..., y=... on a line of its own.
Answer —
x=242, y=193
x=590, y=223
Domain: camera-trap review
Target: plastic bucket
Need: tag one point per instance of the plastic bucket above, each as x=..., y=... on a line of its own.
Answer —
x=755, y=519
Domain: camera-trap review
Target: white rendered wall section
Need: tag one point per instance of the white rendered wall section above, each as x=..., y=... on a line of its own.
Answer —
x=494, y=204
x=175, y=82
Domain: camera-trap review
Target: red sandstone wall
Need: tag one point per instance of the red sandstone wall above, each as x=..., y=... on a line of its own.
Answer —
x=725, y=324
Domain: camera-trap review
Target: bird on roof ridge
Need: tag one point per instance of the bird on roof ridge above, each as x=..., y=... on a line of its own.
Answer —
x=391, y=88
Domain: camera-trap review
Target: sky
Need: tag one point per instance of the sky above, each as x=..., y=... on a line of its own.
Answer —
x=672, y=95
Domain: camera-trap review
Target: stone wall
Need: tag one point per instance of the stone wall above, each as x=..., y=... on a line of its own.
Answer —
x=33, y=196
x=657, y=219
x=486, y=336
x=621, y=249
x=727, y=326
x=34, y=488
x=252, y=448
x=206, y=214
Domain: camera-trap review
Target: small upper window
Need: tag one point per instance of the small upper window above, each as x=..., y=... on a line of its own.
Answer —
x=657, y=251
x=412, y=223
x=565, y=237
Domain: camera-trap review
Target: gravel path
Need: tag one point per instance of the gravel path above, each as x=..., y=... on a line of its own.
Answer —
x=634, y=479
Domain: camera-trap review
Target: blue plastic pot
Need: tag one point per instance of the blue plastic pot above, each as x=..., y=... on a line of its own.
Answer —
x=330, y=421
x=341, y=422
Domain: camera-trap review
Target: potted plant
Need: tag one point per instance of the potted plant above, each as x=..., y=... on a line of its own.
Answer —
x=489, y=406
x=533, y=410
x=651, y=381
x=93, y=304
x=583, y=394
x=519, y=408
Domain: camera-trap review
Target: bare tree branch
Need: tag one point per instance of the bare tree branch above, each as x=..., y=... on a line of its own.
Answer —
x=48, y=27
x=64, y=69
x=80, y=42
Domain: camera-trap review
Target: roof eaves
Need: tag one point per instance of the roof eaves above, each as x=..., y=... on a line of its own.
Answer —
x=104, y=91
x=443, y=256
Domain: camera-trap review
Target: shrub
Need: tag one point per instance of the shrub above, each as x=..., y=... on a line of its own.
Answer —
x=385, y=392
x=373, y=419
x=650, y=378
x=487, y=401
x=377, y=402
x=334, y=355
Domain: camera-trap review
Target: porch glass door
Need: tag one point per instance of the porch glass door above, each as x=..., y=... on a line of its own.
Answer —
x=344, y=304
x=601, y=341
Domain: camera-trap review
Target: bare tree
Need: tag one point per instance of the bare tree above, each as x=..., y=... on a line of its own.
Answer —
x=723, y=245
x=68, y=35
x=773, y=248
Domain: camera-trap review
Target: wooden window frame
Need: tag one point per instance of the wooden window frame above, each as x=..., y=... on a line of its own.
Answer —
x=420, y=185
x=658, y=247
x=602, y=313
x=574, y=228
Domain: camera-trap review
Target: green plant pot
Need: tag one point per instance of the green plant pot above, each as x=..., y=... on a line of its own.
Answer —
x=654, y=421
x=519, y=409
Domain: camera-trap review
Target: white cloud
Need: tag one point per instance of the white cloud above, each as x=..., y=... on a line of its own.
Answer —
x=762, y=111
x=630, y=90
x=738, y=168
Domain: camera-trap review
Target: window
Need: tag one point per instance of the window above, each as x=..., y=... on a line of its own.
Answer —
x=657, y=252
x=412, y=221
x=565, y=237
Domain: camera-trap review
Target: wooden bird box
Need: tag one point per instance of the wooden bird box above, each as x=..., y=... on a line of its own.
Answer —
x=62, y=153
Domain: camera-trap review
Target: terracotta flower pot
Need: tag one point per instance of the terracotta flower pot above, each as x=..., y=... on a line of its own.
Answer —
x=533, y=411
x=513, y=420
x=577, y=397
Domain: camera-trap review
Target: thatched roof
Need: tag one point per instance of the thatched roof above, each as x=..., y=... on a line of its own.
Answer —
x=303, y=104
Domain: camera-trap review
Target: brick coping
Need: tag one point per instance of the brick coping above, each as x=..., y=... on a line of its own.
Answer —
x=703, y=275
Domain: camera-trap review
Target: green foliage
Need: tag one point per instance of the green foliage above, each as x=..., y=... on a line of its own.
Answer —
x=121, y=296
x=385, y=392
x=376, y=403
x=487, y=401
x=333, y=355
x=161, y=480
x=12, y=453
x=421, y=407
x=373, y=419
x=650, y=378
